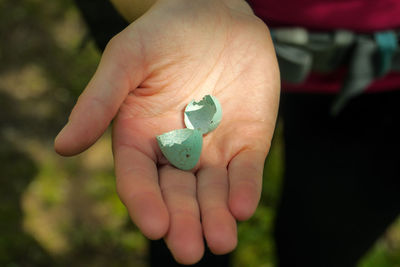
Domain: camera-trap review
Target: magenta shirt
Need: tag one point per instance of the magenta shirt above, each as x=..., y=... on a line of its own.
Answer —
x=356, y=15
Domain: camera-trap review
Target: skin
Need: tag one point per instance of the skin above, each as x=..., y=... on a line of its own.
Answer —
x=177, y=51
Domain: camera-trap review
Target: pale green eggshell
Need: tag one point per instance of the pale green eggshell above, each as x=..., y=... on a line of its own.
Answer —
x=204, y=115
x=182, y=147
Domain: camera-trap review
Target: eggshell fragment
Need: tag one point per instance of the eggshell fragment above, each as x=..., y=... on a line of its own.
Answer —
x=204, y=115
x=182, y=147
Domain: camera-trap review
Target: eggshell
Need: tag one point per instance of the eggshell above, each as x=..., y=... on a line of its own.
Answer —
x=182, y=147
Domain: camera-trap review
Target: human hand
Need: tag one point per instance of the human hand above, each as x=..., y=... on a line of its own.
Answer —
x=178, y=51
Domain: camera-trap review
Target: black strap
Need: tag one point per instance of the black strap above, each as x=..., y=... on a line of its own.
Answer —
x=360, y=74
x=102, y=19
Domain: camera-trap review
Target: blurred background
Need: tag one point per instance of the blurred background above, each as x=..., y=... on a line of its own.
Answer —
x=58, y=211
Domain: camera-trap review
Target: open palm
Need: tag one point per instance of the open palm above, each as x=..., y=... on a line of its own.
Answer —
x=179, y=51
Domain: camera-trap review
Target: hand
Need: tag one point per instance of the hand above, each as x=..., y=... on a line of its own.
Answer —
x=178, y=51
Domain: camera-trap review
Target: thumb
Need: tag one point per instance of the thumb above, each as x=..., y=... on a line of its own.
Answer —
x=119, y=72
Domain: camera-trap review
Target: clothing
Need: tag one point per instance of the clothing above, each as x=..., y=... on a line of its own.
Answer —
x=341, y=182
x=365, y=16
x=342, y=178
x=160, y=256
x=355, y=15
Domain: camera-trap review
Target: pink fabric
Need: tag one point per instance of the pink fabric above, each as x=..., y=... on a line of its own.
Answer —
x=331, y=83
x=356, y=15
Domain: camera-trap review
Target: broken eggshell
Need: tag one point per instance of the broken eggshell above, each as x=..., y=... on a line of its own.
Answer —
x=204, y=115
x=182, y=147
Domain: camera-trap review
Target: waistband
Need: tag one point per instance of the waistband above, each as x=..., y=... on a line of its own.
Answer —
x=368, y=56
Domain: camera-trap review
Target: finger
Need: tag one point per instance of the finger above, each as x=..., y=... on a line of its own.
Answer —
x=184, y=237
x=245, y=183
x=219, y=225
x=138, y=188
x=119, y=72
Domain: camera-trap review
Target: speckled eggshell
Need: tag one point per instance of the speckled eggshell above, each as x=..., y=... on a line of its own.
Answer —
x=182, y=147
